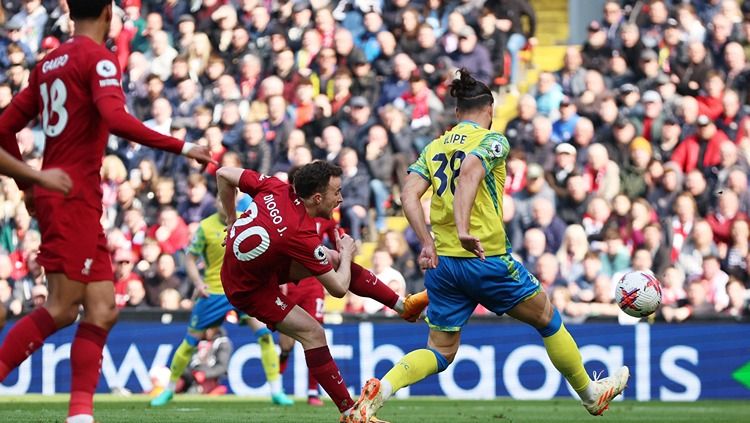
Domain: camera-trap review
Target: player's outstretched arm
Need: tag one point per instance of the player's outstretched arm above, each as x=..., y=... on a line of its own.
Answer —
x=472, y=174
x=411, y=197
x=124, y=125
x=227, y=181
x=52, y=179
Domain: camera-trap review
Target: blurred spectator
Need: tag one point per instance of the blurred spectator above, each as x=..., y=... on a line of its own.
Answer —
x=542, y=151
x=355, y=189
x=672, y=287
x=534, y=246
x=739, y=248
x=738, y=306
x=536, y=188
x=473, y=56
x=602, y=175
x=124, y=261
x=572, y=251
x=136, y=296
x=520, y=129
x=171, y=232
x=632, y=176
x=696, y=185
x=547, y=271
x=163, y=279
x=715, y=281
x=722, y=219
x=548, y=95
x=697, y=305
x=209, y=365
x=574, y=205
x=382, y=268
x=699, y=244
x=614, y=257
x=702, y=149
x=545, y=218
x=509, y=14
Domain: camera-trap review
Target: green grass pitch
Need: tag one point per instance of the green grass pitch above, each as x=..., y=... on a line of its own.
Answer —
x=189, y=408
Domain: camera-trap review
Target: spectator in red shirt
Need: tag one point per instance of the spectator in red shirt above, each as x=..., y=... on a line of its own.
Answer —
x=700, y=150
x=124, y=261
x=171, y=232
x=725, y=215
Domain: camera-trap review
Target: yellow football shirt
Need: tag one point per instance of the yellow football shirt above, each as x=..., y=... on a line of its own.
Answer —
x=440, y=164
x=206, y=244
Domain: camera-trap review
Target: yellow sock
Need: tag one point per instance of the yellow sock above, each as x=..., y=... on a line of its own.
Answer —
x=269, y=357
x=180, y=360
x=563, y=352
x=414, y=367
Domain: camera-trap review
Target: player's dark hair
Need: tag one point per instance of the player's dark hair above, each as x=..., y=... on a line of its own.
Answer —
x=470, y=93
x=314, y=177
x=87, y=9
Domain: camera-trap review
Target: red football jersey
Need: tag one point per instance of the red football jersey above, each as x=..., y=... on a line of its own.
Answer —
x=77, y=91
x=275, y=230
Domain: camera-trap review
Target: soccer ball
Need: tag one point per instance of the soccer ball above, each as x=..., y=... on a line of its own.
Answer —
x=638, y=293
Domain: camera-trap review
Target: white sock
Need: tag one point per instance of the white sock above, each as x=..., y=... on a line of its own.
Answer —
x=386, y=390
x=312, y=393
x=399, y=307
x=80, y=418
x=588, y=395
x=275, y=386
x=171, y=386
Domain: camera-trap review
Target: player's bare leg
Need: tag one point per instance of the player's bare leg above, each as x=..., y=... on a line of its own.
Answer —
x=29, y=333
x=270, y=360
x=305, y=329
x=563, y=352
x=413, y=367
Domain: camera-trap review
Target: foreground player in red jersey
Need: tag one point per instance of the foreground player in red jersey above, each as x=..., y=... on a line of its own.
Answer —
x=76, y=89
x=310, y=295
x=276, y=241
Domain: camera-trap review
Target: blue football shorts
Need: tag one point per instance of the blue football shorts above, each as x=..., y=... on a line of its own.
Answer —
x=210, y=311
x=457, y=285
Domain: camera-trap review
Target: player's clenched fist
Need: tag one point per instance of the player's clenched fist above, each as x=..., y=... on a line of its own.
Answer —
x=345, y=244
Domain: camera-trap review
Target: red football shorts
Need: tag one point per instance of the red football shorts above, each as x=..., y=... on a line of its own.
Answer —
x=73, y=242
x=264, y=301
x=308, y=294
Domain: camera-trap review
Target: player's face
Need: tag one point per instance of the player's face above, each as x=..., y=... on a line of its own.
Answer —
x=331, y=198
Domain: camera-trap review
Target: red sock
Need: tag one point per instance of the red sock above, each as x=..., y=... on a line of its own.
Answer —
x=283, y=361
x=365, y=284
x=324, y=369
x=86, y=364
x=312, y=384
x=25, y=337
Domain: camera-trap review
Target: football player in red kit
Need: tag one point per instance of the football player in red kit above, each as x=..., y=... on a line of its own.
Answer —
x=310, y=295
x=276, y=240
x=77, y=91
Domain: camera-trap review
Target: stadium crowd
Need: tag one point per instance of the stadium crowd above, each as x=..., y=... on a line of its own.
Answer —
x=634, y=155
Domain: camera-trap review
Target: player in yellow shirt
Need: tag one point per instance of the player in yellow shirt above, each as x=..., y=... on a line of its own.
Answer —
x=469, y=261
x=212, y=306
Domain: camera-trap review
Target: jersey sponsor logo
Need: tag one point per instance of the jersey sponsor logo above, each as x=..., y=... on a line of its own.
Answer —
x=320, y=254
x=55, y=63
x=106, y=68
x=112, y=82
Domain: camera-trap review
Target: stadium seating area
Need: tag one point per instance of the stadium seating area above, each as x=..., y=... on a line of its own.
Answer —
x=630, y=151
